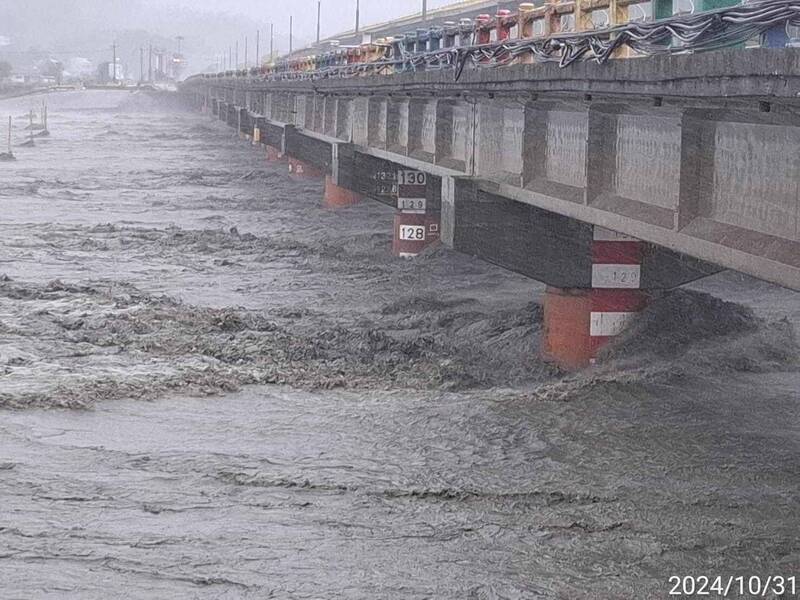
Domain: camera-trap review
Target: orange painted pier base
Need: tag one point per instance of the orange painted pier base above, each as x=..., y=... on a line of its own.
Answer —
x=566, y=327
x=414, y=232
x=337, y=196
x=579, y=322
x=302, y=170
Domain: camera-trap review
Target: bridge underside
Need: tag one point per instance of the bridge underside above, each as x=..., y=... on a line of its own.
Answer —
x=697, y=153
x=532, y=167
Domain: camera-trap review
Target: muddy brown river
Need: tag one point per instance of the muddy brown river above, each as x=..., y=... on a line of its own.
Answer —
x=212, y=387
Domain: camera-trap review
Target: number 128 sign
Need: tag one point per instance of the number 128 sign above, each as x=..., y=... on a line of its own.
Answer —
x=411, y=188
x=412, y=233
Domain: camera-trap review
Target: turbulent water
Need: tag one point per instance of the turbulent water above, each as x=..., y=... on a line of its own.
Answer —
x=211, y=387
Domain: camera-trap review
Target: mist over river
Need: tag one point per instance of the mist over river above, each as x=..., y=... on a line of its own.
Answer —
x=212, y=387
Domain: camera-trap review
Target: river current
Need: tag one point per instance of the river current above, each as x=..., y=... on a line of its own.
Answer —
x=212, y=387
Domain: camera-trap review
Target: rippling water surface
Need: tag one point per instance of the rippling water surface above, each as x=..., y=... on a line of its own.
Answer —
x=211, y=387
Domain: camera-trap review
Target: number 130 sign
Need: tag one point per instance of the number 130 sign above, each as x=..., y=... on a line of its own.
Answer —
x=411, y=188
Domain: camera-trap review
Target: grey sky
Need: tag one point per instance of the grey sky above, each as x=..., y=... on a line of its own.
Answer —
x=209, y=27
x=337, y=15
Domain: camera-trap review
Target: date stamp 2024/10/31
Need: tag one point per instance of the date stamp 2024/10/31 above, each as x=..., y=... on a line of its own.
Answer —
x=733, y=586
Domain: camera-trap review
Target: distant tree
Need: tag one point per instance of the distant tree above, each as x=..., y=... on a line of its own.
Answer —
x=53, y=68
x=5, y=69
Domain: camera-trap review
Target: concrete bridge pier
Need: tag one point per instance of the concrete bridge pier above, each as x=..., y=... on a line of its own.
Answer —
x=414, y=194
x=597, y=279
x=337, y=196
x=413, y=232
x=273, y=154
x=340, y=182
x=417, y=221
x=299, y=169
x=269, y=137
x=578, y=322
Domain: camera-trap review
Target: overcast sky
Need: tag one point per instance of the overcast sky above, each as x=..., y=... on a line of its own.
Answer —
x=209, y=27
x=337, y=15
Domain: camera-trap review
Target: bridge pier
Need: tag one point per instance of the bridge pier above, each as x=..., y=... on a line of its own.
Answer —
x=578, y=322
x=299, y=169
x=524, y=165
x=337, y=196
x=273, y=154
x=418, y=218
x=414, y=232
x=597, y=279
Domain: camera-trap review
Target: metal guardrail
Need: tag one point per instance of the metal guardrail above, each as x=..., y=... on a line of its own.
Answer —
x=511, y=39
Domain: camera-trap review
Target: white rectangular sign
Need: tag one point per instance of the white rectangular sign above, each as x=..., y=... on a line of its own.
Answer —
x=412, y=205
x=616, y=276
x=408, y=177
x=601, y=234
x=412, y=233
x=606, y=324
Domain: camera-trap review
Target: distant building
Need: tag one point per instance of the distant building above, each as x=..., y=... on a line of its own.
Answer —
x=108, y=72
x=168, y=65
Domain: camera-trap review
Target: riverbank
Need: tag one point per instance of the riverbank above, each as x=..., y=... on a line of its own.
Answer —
x=15, y=92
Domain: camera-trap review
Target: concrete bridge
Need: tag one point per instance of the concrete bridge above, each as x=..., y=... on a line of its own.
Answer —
x=608, y=182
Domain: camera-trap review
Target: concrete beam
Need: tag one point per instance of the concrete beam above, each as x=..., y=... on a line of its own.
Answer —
x=702, y=174
x=543, y=245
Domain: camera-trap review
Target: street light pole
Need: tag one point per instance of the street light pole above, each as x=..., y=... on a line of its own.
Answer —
x=114, y=64
x=271, y=40
x=319, y=12
x=358, y=14
x=291, y=28
x=424, y=9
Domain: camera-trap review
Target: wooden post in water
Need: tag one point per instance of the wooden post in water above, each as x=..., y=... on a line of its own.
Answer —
x=8, y=156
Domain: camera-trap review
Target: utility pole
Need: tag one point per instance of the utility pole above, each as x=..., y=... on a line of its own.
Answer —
x=141, y=64
x=245, y=52
x=319, y=12
x=114, y=63
x=291, y=28
x=230, y=57
x=424, y=9
x=258, y=48
x=271, y=40
x=236, y=66
x=358, y=13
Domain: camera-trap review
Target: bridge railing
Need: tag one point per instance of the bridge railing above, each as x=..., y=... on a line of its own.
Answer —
x=563, y=31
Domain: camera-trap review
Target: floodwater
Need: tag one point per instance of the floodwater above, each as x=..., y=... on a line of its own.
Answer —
x=211, y=387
